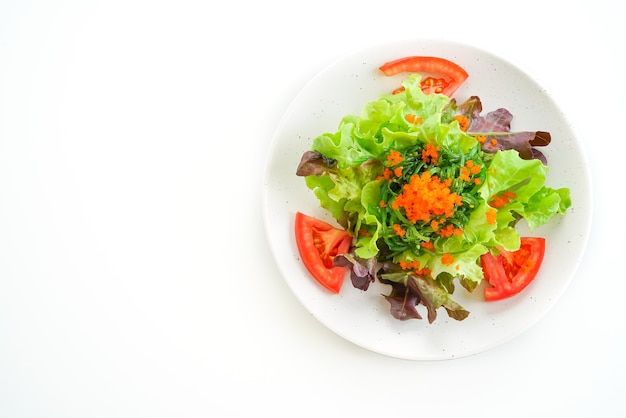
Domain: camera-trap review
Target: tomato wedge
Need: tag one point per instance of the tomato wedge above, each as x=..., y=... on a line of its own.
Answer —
x=318, y=244
x=440, y=75
x=510, y=272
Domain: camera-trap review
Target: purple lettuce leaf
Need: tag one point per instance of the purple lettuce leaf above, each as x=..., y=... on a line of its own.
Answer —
x=313, y=163
x=495, y=126
x=403, y=301
x=435, y=296
x=408, y=290
x=363, y=272
x=413, y=290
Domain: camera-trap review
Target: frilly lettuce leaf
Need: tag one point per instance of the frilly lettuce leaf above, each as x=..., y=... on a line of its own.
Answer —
x=534, y=202
x=496, y=126
x=410, y=290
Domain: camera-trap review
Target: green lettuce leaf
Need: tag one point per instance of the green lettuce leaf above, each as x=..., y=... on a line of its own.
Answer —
x=533, y=201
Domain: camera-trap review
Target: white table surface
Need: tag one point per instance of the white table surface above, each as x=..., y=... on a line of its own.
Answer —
x=135, y=275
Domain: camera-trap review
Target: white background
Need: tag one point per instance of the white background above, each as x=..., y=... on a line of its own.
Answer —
x=135, y=276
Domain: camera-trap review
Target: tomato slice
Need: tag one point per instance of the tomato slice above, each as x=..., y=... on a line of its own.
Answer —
x=510, y=272
x=318, y=244
x=441, y=75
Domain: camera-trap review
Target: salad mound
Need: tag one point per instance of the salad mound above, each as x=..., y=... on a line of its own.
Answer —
x=425, y=187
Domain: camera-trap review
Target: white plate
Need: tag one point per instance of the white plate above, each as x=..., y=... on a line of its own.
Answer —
x=363, y=317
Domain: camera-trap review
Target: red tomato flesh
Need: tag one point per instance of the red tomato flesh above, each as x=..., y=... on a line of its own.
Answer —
x=318, y=243
x=440, y=75
x=510, y=272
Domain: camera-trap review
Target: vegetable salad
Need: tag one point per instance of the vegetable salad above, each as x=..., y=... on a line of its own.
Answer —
x=426, y=187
